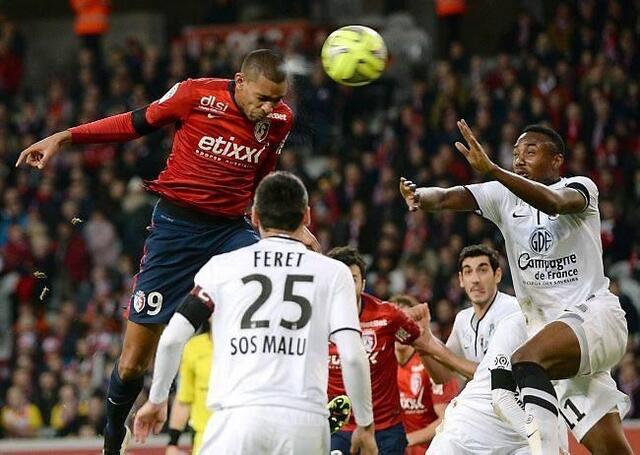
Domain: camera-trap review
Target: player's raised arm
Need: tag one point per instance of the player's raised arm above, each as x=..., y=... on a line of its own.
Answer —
x=433, y=199
x=116, y=128
x=532, y=189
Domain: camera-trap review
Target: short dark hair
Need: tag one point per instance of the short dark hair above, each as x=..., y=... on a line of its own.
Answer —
x=473, y=251
x=281, y=201
x=348, y=255
x=553, y=136
x=265, y=62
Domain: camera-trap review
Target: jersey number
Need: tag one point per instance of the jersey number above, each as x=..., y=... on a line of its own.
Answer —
x=265, y=292
x=579, y=415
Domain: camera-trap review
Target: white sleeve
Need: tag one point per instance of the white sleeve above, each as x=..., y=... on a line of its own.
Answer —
x=204, y=278
x=588, y=189
x=167, y=362
x=344, y=307
x=509, y=335
x=489, y=197
x=453, y=342
x=355, y=374
x=508, y=410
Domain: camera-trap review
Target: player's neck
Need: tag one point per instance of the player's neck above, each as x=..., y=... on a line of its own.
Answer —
x=550, y=180
x=295, y=235
x=480, y=308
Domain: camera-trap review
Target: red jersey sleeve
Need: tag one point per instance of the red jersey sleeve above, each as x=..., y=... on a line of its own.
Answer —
x=407, y=330
x=173, y=106
x=444, y=393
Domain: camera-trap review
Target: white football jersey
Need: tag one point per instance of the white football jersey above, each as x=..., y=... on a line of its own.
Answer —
x=276, y=304
x=474, y=401
x=470, y=336
x=555, y=260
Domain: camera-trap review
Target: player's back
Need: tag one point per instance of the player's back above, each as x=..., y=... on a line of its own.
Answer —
x=272, y=319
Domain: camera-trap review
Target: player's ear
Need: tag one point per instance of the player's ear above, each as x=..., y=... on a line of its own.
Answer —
x=239, y=80
x=307, y=217
x=255, y=219
x=460, y=280
x=498, y=275
x=558, y=161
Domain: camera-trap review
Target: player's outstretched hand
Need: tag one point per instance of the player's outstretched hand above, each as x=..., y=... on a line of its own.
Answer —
x=149, y=418
x=363, y=441
x=408, y=192
x=475, y=154
x=39, y=154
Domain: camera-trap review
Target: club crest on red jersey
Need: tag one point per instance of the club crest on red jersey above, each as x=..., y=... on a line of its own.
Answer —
x=415, y=383
x=369, y=340
x=261, y=130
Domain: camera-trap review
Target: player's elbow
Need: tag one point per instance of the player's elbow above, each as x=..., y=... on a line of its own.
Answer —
x=353, y=358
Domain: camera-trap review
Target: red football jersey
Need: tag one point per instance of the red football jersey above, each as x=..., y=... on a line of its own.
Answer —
x=218, y=155
x=418, y=395
x=382, y=324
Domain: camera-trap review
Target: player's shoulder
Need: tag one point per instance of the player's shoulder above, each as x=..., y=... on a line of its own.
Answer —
x=463, y=316
x=282, y=114
x=512, y=320
x=578, y=181
x=506, y=302
x=211, y=83
x=228, y=259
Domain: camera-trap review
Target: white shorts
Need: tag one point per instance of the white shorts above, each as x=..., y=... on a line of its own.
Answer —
x=601, y=328
x=265, y=430
x=465, y=432
x=584, y=400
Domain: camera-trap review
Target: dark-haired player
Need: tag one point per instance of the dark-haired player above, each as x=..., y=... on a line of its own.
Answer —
x=551, y=227
x=276, y=305
x=479, y=274
x=382, y=324
x=228, y=134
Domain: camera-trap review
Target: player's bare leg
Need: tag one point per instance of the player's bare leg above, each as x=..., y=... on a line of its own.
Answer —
x=553, y=353
x=607, y=437
x=127, y=379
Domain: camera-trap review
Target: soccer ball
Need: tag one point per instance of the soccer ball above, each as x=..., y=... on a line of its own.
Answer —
x=354, y=55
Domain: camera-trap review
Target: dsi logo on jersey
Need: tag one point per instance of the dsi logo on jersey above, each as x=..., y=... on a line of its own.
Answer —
x=541, y=240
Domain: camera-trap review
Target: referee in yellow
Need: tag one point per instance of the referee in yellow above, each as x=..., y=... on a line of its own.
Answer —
x=193, y=385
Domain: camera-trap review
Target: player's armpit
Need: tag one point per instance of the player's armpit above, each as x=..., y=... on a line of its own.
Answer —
x=196, y=307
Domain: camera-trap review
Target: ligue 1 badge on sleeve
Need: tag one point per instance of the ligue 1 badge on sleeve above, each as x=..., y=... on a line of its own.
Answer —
x=261, y=130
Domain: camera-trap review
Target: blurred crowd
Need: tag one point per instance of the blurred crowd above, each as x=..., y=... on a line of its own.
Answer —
x=72, y=234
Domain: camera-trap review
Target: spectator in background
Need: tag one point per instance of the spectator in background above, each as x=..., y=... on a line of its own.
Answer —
x=19, y=417
x=91, y=22
x=380, y=128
